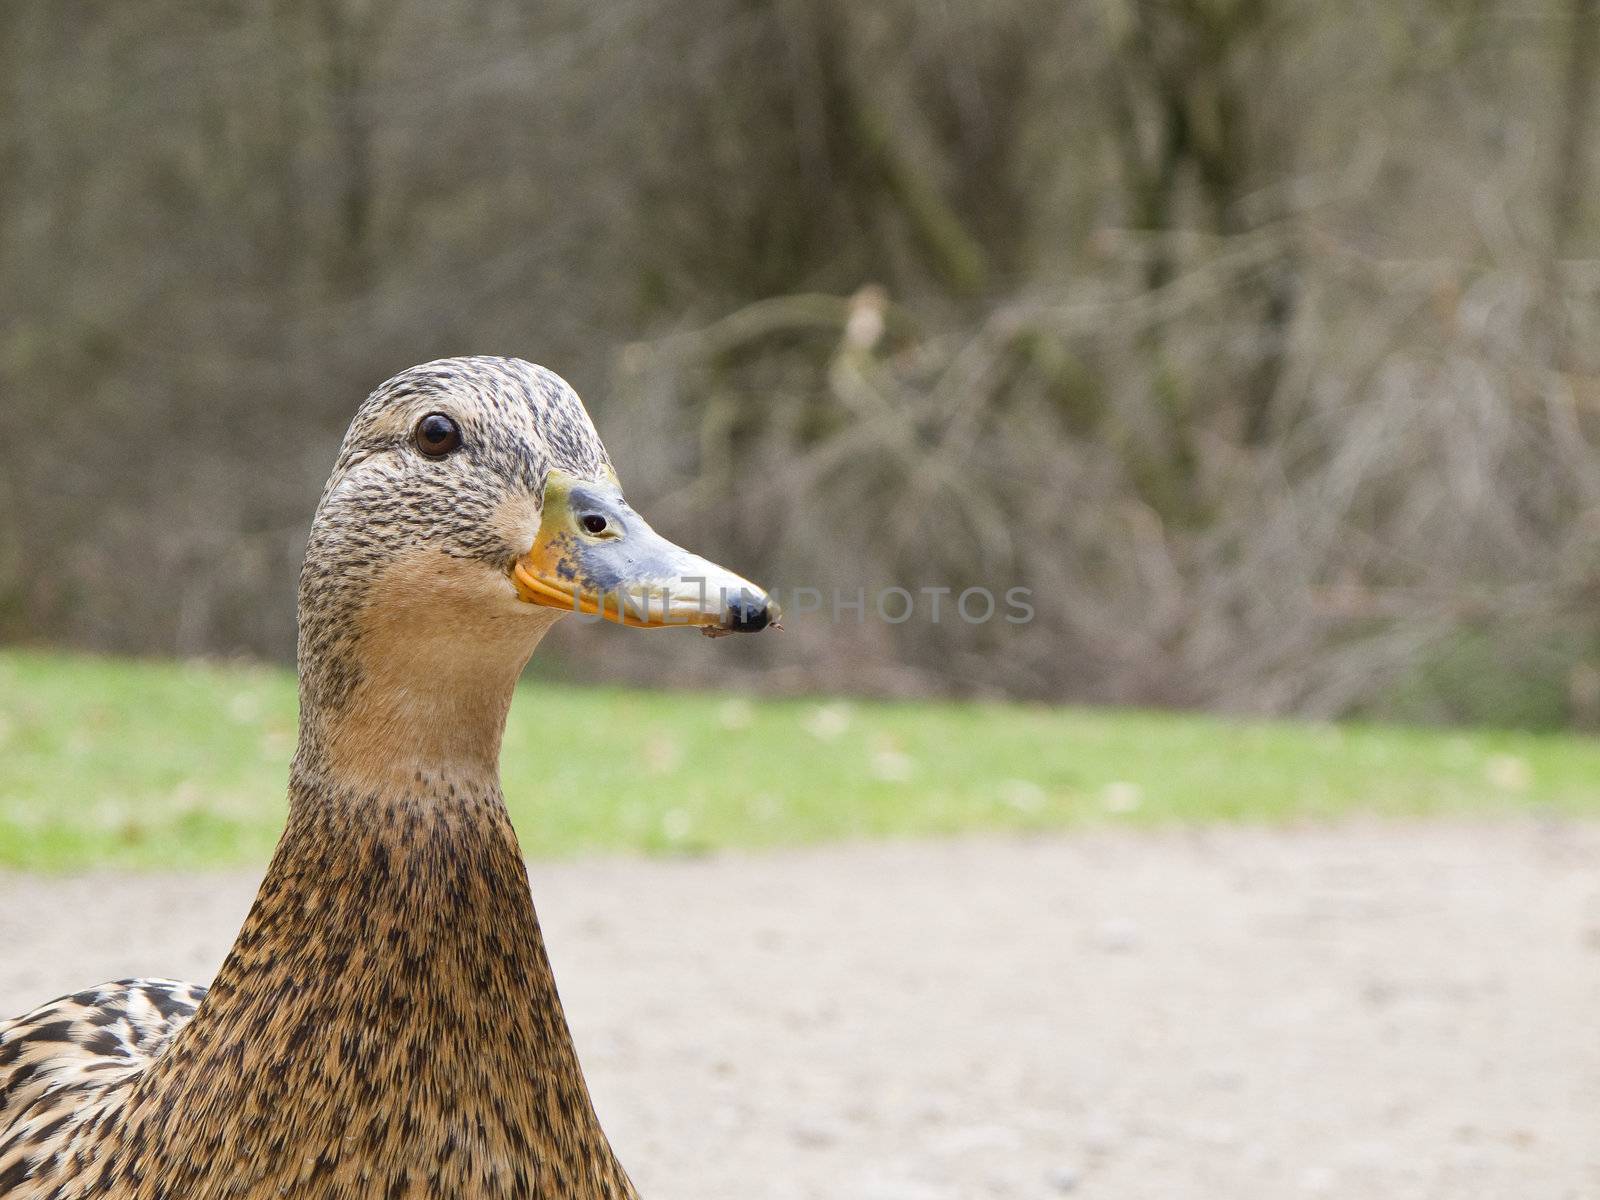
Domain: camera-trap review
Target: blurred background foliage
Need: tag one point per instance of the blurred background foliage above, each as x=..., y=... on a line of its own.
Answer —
x=1257, y=337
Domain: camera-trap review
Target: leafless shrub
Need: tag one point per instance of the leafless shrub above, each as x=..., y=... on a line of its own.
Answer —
x=1424, y=481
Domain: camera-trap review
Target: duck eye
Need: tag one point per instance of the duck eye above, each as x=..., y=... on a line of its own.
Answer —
x=437, y=435
x=594, y=523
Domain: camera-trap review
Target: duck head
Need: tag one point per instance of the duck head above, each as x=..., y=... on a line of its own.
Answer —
x=472, y=505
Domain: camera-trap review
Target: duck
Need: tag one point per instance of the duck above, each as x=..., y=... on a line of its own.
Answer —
x=386, y=1025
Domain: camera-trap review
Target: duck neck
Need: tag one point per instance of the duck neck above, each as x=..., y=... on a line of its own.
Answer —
x=407, y=697
x=388, y=1015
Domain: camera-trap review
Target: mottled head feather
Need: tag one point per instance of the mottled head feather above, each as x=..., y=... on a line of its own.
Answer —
x=389, y=507
x=517, y=420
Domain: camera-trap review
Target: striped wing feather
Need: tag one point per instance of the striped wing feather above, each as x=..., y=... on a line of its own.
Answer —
x=64, y=1065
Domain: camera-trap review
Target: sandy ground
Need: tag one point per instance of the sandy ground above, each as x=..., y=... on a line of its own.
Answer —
x=1371, y=1011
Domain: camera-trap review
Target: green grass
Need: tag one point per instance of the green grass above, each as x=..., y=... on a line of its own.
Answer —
x=183, y=765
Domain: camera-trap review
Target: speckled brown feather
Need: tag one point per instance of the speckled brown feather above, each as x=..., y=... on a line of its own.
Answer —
x=386, y=1025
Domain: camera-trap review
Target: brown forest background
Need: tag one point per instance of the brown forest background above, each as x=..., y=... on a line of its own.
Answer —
x=1257, y=337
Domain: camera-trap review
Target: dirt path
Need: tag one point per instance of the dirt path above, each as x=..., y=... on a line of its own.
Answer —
x=1381, y=1012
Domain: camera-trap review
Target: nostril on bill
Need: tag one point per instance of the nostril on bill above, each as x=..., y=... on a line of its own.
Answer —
x=748, y=614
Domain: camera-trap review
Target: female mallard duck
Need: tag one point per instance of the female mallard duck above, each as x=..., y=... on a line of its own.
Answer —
x=386, y=1024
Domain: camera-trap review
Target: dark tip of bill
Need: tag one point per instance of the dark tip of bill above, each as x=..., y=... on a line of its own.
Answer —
x=749, y=614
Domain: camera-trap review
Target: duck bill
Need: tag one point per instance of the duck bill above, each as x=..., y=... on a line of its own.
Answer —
x=595, y=555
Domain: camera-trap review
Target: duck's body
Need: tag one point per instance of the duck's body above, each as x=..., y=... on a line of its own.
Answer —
x=387, y=1024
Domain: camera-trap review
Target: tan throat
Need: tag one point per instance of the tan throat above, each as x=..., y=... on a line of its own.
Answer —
x=434, y=653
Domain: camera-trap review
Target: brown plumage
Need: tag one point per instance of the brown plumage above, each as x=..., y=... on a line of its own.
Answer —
x=387, y=1024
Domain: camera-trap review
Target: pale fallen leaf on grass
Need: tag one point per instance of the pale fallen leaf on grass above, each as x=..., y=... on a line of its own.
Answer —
x=828, y=721
x=1122, y=797
x=764, y=806
x=245, y=708
x=892, y=766
x=736, y=712
x=676, y=824
x=1024, y=795
x=1508, y=772
x=662, y=755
